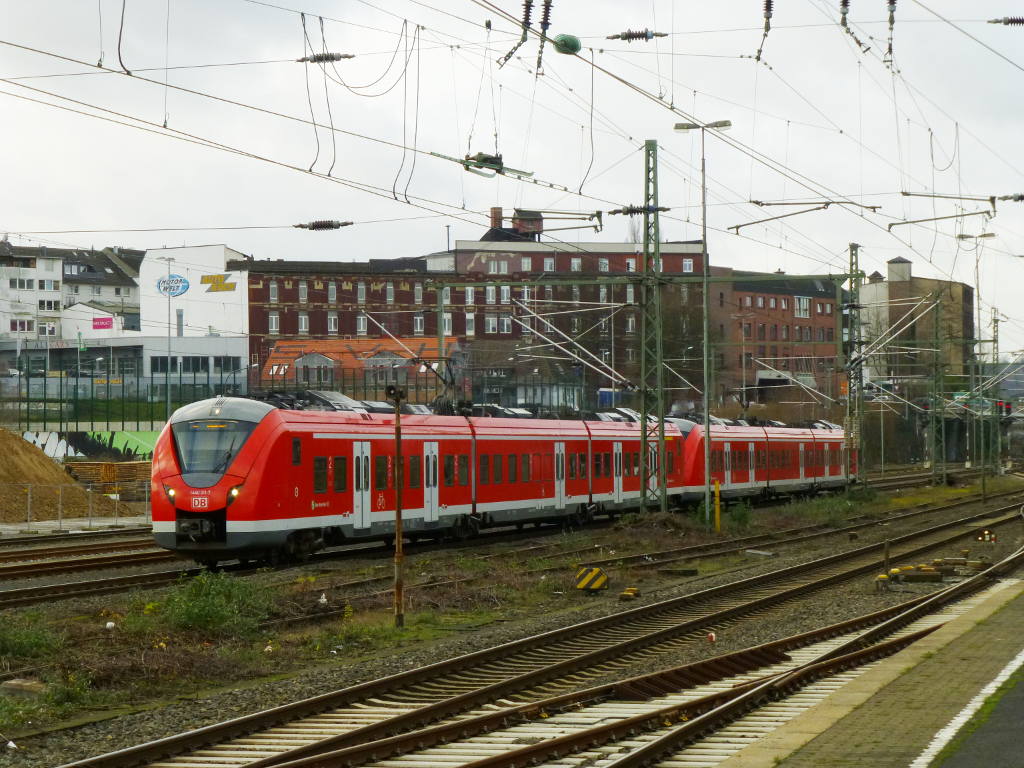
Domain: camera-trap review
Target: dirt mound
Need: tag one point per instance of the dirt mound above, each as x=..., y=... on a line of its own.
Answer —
x=53, y=491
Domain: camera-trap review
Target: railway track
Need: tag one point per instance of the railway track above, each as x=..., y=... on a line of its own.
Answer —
x=68, y=536
x=530, y=669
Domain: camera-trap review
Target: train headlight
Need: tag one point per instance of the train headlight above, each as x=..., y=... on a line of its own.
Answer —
x=170, y=493
x=233, y=494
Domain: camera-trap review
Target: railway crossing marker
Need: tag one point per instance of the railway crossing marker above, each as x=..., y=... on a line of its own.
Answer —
x=591, y=579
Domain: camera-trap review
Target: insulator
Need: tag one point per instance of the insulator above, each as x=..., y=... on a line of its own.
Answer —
x=320, y=58
x=324, y=224
x=892, y=7
x=629, y=35
x=1011, y=21
x=527, y=12
x=1013, y=198
x=844, y=8
x=768, y=8
x=545, y=18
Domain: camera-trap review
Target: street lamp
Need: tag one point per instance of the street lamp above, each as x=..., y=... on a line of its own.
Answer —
x=717, y=125
x=743, y=357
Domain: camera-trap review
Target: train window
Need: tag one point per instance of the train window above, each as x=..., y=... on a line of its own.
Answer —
x=296, y=451
x=636, y=463
x=671, y=462
x=526, y=467
x=380, y=473
x=513, y=465
x=496, y=468
x=449, y=470
x=415, y=471
x=597, y=465
x=583, y=466
x=463, y=470
x=627, y=465
x=607, y=465
x=572, y=466
x=485, y=470
x=319, y=474
x=340, y=473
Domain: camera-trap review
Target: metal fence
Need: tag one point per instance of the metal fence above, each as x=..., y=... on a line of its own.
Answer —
x=28, y=504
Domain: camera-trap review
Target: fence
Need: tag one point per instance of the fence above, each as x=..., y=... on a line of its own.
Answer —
x=31, y=503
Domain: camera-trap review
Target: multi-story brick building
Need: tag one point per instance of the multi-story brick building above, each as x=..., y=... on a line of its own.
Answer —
x=772, y=332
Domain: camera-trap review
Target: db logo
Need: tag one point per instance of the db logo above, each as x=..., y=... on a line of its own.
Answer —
x=200, y=502
x=380, y=501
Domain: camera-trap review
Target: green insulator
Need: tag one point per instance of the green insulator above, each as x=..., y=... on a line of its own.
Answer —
x=568, y=44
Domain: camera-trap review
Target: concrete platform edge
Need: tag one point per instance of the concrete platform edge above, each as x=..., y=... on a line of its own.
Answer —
x=775, y=747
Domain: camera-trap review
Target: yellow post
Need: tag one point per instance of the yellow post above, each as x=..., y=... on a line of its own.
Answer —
x=718, y=508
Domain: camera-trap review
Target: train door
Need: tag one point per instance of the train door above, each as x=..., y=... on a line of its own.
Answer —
x=727, y=456
x=802, y=474
x=559, y=475
x=431, y=503
x=361, y=484
x=617, y=472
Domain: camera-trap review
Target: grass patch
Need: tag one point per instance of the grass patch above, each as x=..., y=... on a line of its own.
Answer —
x=212, y=604
x=22, y=637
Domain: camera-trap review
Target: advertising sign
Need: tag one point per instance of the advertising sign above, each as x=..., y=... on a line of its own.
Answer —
x=172, y=285
x=101, y=323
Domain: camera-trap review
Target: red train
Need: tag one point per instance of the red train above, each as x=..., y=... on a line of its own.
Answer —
x=237, y=478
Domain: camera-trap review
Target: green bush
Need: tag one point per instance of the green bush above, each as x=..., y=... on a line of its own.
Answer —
x=217, y=604
x=20, y=640
x=739, y=514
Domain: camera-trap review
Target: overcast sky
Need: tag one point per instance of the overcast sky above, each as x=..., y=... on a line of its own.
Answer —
x=816, y=119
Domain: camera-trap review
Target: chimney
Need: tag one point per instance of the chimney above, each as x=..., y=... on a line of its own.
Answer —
x=899, y=270
x=496, y=215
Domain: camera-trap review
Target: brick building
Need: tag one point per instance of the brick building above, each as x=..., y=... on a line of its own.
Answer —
x=771, y=332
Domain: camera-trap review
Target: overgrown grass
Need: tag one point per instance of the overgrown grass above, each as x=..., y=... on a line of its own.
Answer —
x=23, y=638
x=212, y=604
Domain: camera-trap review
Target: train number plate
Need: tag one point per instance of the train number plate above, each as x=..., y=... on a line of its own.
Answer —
x=200, y=502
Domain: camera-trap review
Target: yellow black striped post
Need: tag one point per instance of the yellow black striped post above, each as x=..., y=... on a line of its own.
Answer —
x=591, y=579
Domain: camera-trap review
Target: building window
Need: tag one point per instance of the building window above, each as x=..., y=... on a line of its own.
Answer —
x=602, y=294
x=830, y=334
x=576, y=294
x=760, y=302
x=574, y=325
x=828, y=309
x=446, y=323
x=604, y=326
x=490, y=323
x=195, y=364
x=506, y=323
x=303, y=292
x=389, y=293
x=332, y=322
x=802, y=307
x=417, y=324
x=226, y=364
x=417, y=293
x=575, y=264
x=774, y=333
x=446, y=295
x=506, y=294
x=549, y=293
x=273, y=292
x=687, y=265
x=549, y=263
x=470, y=324
x=273, y=322
x=785, y=303
x=807, y=333
x=526, y=263
x=22, y=326
x=721, y=299
x=498, y=267
x=49, y=305
x=361, y=292
x=22, y=284
x=526, y=294
x=361, y=324
x=332, y=292
x=746, y=330
x=159, y=364
x=746, y=301
x=819, y=309
x=303, y=322
x=760, y=331
x=470, y=296
x=631, y=265
x=492, y=294
x=97, y=290
x=602, y=265
x=629, y=293
x=771, y=303
x=630, y=323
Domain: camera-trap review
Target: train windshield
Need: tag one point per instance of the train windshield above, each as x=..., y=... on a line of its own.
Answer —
x=210, y=445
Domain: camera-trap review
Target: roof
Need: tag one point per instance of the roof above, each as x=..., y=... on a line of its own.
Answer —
x=793, y=286
x=106, y=267
x=353, y=354
x=400, y=265
x=898, y=260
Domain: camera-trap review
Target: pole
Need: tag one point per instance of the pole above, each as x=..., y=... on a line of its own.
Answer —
x=881, y=435
x=397, y=395
x=167, y=375
x=718, y=507
x=855, y=389
x=706, y=301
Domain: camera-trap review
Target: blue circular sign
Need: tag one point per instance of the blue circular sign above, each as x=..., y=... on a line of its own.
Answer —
x=172, y=285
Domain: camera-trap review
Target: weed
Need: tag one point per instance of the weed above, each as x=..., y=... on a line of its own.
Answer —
x=216, y=604
x=18, y=639
x=739, y=514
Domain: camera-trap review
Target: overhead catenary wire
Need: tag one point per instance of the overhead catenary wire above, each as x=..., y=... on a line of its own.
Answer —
x=120, y=36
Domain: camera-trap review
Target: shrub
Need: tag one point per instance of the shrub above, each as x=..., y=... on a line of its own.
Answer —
x=18, y=639
x=739, y=514
x=217, y=604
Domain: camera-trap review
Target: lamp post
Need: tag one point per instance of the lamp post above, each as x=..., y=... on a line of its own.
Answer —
x=397, y=395
x=720, y=125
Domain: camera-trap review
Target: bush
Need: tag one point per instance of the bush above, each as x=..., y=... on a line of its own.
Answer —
x=739, y=514
x=17, y=639
x=217, y=604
